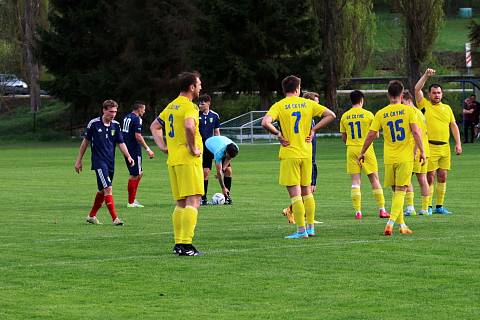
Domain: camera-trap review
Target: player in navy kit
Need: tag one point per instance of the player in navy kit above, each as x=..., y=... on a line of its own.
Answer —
x=209, y=126
x=132, y=133
x=103, y=133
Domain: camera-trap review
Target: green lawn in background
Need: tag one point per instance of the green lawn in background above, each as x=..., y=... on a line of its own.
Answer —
x=55, y=266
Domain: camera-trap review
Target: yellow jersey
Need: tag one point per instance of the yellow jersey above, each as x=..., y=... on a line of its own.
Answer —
x=439, y=116
x=174, y=116
x=394, y=120
x=295, y=116
x=422, y=124
x=356, y=123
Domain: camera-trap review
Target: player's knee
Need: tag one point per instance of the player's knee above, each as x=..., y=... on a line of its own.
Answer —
x=107, y=191
x=228, y=171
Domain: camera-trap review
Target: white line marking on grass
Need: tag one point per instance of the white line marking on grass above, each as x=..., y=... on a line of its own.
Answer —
x=305, y=244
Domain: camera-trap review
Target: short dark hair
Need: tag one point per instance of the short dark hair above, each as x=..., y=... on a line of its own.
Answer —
x=356, y=96
x=107, y=104
x=232, y=150
x=187, y=79
x=138, y=104
x=395, y=88
x=311, y=95
x=204, y=98
x=434, y=85
x=290, y=84
x=407, y=95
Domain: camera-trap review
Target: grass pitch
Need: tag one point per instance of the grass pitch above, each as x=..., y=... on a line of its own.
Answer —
x=55, y=266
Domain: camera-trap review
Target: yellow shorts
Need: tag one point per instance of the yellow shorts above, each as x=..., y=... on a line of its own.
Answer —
x=439, y=157
x=295, y=172
x=417, y=166
x=398, y=174
x=370, y=164
x=186, y=180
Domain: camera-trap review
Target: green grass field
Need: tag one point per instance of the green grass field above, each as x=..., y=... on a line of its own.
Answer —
x=55, y=266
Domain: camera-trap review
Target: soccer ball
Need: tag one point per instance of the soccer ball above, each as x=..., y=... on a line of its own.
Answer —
x=218, y=198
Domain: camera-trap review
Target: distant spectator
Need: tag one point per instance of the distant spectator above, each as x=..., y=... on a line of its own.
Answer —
x=470, y=118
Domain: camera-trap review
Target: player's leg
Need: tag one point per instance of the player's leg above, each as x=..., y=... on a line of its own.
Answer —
x=356, y=195
x=207, y=158
x=177, y=211
x=227, y=180
x=409, y=201
x=190, y=178
x=370, y=167
x=424, y=187
x=97, y=204
x=307, y=196
x=403, y=178
x=442, y=172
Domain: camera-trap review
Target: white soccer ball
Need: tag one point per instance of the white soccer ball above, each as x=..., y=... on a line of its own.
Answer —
x=218, y=198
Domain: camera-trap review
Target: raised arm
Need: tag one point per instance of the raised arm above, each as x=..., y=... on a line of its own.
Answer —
x=157, y=133
x=421, y=83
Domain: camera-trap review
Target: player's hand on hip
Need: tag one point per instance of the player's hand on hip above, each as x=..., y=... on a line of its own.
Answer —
x=311, y=136
x=196, y=152
x=78, y=166
x=283, y=141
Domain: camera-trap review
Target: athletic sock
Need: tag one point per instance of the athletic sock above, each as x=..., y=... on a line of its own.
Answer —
x=137, y=182
x=356, y=196
x=441, y=190
x=409, y=198
x=131, y=190
x=189, y=221
x=97, y=204
x=378, y=194
x=425, y=200
x=309, y=204
x=397, y=206
x=205, y=188
x=431, y=190
x=111, y=206
x=177, y=224
x=298, y=211
x=228, y=182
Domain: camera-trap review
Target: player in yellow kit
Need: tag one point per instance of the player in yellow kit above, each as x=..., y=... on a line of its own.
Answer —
x=295, y=116
x=184, y=148
x=398, y=123
x=419, y=169
x=440, y=121
x=354, y=126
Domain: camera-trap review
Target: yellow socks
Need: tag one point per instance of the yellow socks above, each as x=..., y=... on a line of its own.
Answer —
x=309, y=204
x=378, y=194
x=431, y=189
x=396, y=212
x=441, y=190
x=409, y=198
x=298, y=211
x=356, y=198
x=177, y=224
x=425, y=202
x=189, y=221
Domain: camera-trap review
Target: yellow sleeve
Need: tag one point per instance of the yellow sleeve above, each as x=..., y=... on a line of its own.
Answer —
x=318, y=109
x=192, y=112
x=342, y=124
x=162, y=114
x=273, y=112
x=422, y=103
x=452, y=116
x=376, y=123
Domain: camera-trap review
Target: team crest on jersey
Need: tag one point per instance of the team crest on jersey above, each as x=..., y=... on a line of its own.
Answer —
x=113, y=133
x=99, y=130
x=211, y=120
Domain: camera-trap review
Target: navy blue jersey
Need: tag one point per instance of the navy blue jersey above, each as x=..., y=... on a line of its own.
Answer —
x=102, y=141
x=208, y=123
x=132, y=124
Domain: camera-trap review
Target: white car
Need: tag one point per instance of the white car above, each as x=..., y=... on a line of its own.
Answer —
x=10, y=84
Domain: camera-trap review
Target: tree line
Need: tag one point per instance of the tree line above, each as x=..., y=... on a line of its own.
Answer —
x=132, y=49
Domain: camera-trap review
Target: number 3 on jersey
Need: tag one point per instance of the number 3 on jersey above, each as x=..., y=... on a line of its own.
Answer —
x=396, y=130
x=298, y=115
x=171, y=133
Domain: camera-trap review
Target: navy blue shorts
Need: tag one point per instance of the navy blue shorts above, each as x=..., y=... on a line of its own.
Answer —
x=207, y=158
x=104, y=178
x=136, y=170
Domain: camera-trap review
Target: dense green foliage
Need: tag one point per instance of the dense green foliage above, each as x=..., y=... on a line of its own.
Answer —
x=54, y=266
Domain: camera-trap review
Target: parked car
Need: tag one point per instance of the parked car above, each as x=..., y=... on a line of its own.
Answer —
x=10, y=84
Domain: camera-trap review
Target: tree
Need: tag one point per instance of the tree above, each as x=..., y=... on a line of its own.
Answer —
x=423, y=20
x=346, y=29
x=249, y=45
x=125, y=50
x=474, y=34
